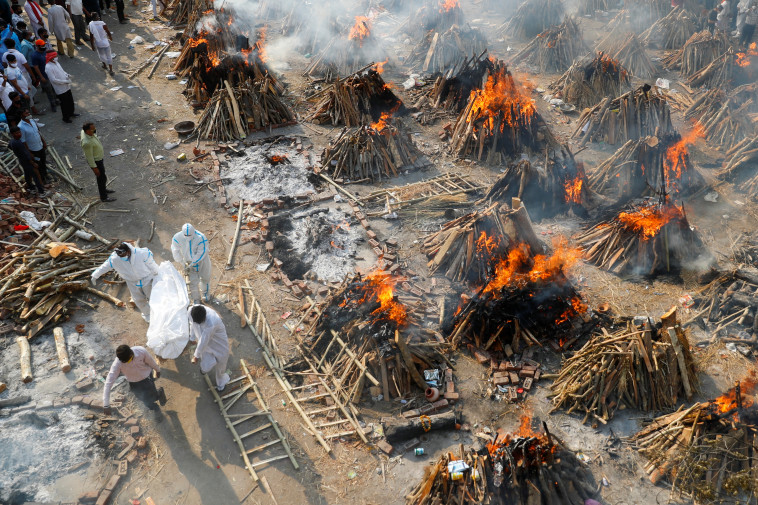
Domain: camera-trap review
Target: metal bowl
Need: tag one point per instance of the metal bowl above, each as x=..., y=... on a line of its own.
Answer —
x=184, y=127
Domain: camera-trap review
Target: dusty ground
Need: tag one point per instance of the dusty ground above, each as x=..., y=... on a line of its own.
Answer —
x=194, y=460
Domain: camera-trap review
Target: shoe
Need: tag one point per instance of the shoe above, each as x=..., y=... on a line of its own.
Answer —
x=146, y=318
x=111, y=72
x=109, y=191
x=124, y=22
x=109, y=199
x=67, y=120
x=42, y=194
x=162, y=396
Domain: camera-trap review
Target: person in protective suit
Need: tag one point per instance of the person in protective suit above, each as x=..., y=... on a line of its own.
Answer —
x=138, y=268
x=207, y=328
x=191, y=248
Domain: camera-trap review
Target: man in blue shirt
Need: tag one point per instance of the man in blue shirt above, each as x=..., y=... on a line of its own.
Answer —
x=7, y=32
x=25, y=159
x=37, y=62
x=34, y=141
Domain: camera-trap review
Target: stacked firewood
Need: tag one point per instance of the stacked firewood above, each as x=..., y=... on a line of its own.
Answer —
x=204, y=48
x=463, y=249
x=452, y=476
x=671, y=31
x=590, y=80
x=633, y=115
x=647, y=367
x=740, y=166
x=637, y=16
x=746, y=253
x=452, y=89
x=344, y=56
x=716, y=74
x=645, y=166
x=437, y=52
x=647, y=238
x=629, y=51
x=181, y=11
x=590, y=7
x=548, y=191
x=435, y=15
x=205, y=77
x=555, y=49
x=706, y=451
x=533, y=17
x=729, y=305
x=724, y=116
x=374, y=152
x=353, y=100
x=698, y=52
x=233, y=113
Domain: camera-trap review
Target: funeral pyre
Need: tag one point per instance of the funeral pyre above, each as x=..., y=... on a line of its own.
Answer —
x=739, y=166
x=555, y=49
x=698, y=52
x=437, y=52
x=452, y=89
x=728, y=306
x=346, y=53
x=727, y=118
x=525, y=467
x=375, y=152
x=707, y=450
x=672, y=30
x=645, y=367
x=588, y=81
x=499, y=121
x=364, y=330
x=547, y=190
x=649, y=166
x=633, y=115
x=436, y=15
x=629, y=51
x=651, y=236
x=356, y=100
x=533, y=17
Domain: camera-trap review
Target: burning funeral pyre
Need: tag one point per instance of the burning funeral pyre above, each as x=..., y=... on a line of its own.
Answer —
x=533, y=17
x=555, y=49
x=437, y=15
x=524, y=468
x=671, y=31
x=731, y=68
x=366, y=321
x=548, y=191
x=647, y=367
x=186, y=11
x=452, y=89
x=372, y=153
x=633, y=115
x=649, y=237
x=629, y=51
x=499, y=121
x=649, y=166
x=439, y=52
x=588, y=81
x=706, y=451
x=358, y=99
x=344, y=54
x=698, y=52
x=729, y=303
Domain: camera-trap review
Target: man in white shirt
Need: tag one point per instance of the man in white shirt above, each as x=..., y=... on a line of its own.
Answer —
x=137, y=366
x=21, y=60
x=77, y=11
x=58, y=18
x=35, y=14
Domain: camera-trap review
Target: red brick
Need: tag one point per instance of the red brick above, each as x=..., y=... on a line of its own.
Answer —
x=451, y=397
x=297, y=291
x=269, y=247
x=134, y=430
x=113, y=482
x=104, y=498
x=513, y=377
x=385, y=447
x=371, y=234
x=88, y=498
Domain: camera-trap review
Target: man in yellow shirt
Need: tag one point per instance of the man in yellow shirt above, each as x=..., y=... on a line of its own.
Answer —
x=93, y=152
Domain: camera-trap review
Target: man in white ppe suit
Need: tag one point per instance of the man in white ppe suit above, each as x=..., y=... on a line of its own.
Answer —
x=190, y=247
x=138, y=268
x=207, y=328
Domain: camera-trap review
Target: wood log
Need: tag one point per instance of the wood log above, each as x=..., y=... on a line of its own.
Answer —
x=399, y=429
x=60, y=347
x=25, y=359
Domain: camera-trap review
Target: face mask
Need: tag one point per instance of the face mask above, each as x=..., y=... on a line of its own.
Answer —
x=13, y=65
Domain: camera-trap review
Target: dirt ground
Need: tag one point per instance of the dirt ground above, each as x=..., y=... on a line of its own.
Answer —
x=193, y=459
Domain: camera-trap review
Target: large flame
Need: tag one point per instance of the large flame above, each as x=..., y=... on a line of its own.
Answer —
x=501, y=95
x=260, y=44
x=378, y=286
x=448, y=5
x=379, y=67
x=728, y=400
x=648, y=220
x=743, y=59
x=384, y=118
x=360, y=30
x=677, y=156
x=574, y=190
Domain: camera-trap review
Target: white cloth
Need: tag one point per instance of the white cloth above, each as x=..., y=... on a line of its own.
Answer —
x=76, y=7
x=138, y=271
x=191, y=246
x=4, y=92
x=99, y=33
x=212, y=344
x=17, y=75
x=58, y=19
x=104, y=53
x=139, y=368
x=34, y=12
x=58, y=77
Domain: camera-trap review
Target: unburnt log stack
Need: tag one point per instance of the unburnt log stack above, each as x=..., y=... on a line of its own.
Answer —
x=698, y=52
x=438, y=51
x=725, y=116
x=629, y=51
x=716, y=74
x=647, y=367
x=555, y=49
x=739, y=166
x=533, y=17
x=590, y=80
x=671, y=31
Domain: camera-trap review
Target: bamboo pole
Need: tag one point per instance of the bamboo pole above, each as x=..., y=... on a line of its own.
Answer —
x=236, y=236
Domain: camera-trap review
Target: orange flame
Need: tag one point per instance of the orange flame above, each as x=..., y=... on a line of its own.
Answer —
x=677, y=155
x=260, y=44
x=728, y=400
x=648, y=220
x=384, y=119
x=743, y=59
x=501, y=95
x=448, y=5
x=360, y=30
x=574, y=190
x=378, y=286
x=379, y=67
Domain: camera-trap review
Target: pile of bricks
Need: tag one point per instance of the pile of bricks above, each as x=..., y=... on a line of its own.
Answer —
x=515, y=378
x=386, y=252
x=8, y=220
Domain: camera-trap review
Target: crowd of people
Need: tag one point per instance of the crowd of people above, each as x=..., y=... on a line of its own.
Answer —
x=30, y=65
x=733, y=17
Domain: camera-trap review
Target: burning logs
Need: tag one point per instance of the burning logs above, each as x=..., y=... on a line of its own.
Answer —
x=555, y=49
x=633, y=115
x=373, y=152
x=629, y=52
x=647, y=367
x=645, y=166
x=725, y=117
x=698, y=52
x=233, y=113
x=671, y=31
x=436, y=15
x=707, y=450
x=499, y=121
x=355, y=100
x=648, y=238
x=452, y=89
x=438, y=52
x=452, y=476
x=561, y=186
x=344, y=54
x=533, y=17
x=587, y=81
x=181, y=11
